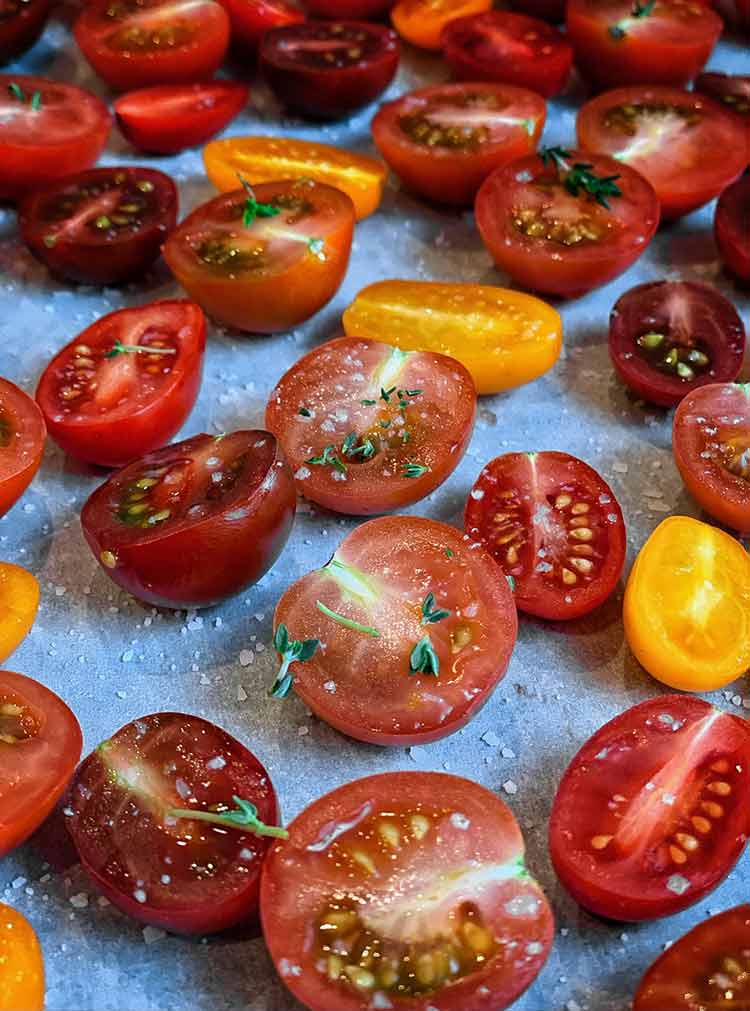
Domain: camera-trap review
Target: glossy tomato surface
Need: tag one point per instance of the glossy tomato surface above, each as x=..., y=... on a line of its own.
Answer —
x=126, y=384
x=139, y=43
x=276, y=271
x=367, y=428
x=510, y=48
x=194, y=522
x=40, y=744
x=416, y=623
x=62, y=131
x=184, y=874
x=443, y=141
x=406, y=889
x=732, y=91
x=653, y=811
x=554, y=526
x=21, y=24
x=22, y=435
x=104, y=226
x=22, y=979
x=421, y=22
x=732, y=228
x=251, y=19
x=365, y=10
x=326, y=70
x=667, y=338
x=19, y=601
x=687, y=146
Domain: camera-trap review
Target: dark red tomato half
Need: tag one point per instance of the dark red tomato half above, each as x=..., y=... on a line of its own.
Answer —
x=22, y=435
x=194, y=522
x=49, y=130
x=364, y=10
x=653, y=811
x=553, y=525
x=21, y=24
x=509, y=48
x=326, y=70
x=405, y=890
x=666, y=338
x=145, y=813
x=171, y=117
x=552, y=236
x=732, y=228
x=709, y=967
x=138, y=43
x=104, y=226
x=732, y=91
x=126, y=384
x=251, y=19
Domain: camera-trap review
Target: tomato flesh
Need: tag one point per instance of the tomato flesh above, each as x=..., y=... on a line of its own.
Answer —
x=732, y=228
x=251, y=19
x=22, y=435
x=19, y=601
x=21, y=24
x=732, y=91
x=22, y=981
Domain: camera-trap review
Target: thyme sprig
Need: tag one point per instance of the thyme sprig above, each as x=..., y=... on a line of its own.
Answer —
x=252, y=208
x=578, y=176
x=291, y=651
x=243, y=817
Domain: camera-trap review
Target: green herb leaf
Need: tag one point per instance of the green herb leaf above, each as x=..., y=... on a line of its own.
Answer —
x=579, y=177
x=431, y=614
x=350, y=448
x=136, y=349
x=252, y=208
x=555, y=156
x=328, y=458
x=316, y=247
x=414, y=470
x=639, y=10
x=244, y=817
x=511, y=583
x=291, y=651
x=424, y=659
x=448, y=553
x=347, y=622
x=16, y=92
x=413, y=393
x=36, y=101
x=303, y=412
x=368, y=403
x=387, y=394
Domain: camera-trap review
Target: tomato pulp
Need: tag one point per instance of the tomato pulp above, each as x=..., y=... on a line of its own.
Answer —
x=732, y=228
x=19, y=601
x=21, y=24
x=22, y=435
x=22, y=978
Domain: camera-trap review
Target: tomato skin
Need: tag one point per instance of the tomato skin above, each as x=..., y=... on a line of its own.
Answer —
x=732, y=228
x=22, y=981
x=21, y=456
x=251, y=19
x=19, y=601
x=359, y=10
x=421, y=22
x=19, y=31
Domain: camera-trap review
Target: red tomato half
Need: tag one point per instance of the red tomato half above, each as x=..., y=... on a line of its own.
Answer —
x=667, y=338
x=364, y=10
x=732, y=91
x=190, y=875
x=43, y=138
x=445, y=140
x=416, y=627
x=405, y=890
x=732, y=228
x=40, y=744
x=169, y=118
x=137, y=43
x=126, y=384
x=21, y=24
x=104, y=226
x=687, y=146
x=653, y=811
x=510, y=48
x=22, y=435
x=194, y=522
x=251, y=19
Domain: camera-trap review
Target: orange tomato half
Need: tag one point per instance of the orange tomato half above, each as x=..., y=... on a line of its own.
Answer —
x=19, y=600
x=21, y=965
x=421, y=22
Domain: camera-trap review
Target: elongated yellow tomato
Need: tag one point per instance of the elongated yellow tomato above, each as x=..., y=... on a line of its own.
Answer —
x=687, y=606
x=19, y=600
x=503, y=337
x=268, y=159
x=21, y=966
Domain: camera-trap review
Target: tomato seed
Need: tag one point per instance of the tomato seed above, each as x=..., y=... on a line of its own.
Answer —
x=712, y=809
x=677, y=855
x=582, y=534
x=721, y=788
x=702, y=825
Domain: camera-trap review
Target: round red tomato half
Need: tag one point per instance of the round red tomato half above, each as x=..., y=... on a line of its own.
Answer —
x=49, y=130
x=510, y=48
x=365, y=10
x=444, y=141
x=139, y=43
x=732, y=91
x=104, y=226
x=667, y=338
x=687, y=146
x=194, y=522
x=554, y=526
x=326, y=70
x=40, y=744
x=162, y=815
x=21, y=24
x=171, y=117
x=653, y=811
x=22, y=435
x=126, y=384
x=709, y=967
x=368, y=428
x=251, y=19
x=732, y=228
x=406, y=632
x=405, y=890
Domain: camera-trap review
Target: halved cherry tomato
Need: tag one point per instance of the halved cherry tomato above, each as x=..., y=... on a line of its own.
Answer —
x=667, y=338
x=365, y=10
x=732, y=228
x=687, y=606
x=22, y=978
x=444, y=140
x=148, y=813
x=687, y=146
x=425, y=872
x=421, y=22
x=126, y=384
x=732, y=91
x=19, y=601
x=49, y=130
x=706, y=968
x=251, y=19
x=266, y=159
x=368, y=428
x=171, y=117
x=510, y=48
x=137, y=43
x=329, y=69
x=416, y=626
x=22, y=435
x=273, y=272
x=194, y=522
x=503, y=337
x=653, y=811
x=550, y=234
x=40, y=744
x=21, y=24
x=104, y=226
x=554, y=526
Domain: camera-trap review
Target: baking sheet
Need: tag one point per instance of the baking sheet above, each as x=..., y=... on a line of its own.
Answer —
x=113, y=660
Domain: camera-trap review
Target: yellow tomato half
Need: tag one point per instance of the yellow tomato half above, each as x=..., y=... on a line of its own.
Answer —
x=421, y=22
x=21, y=965
x=19, y=600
